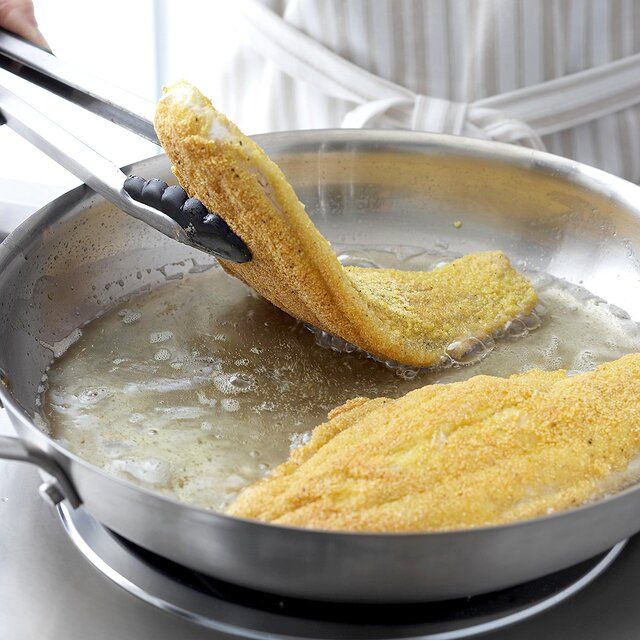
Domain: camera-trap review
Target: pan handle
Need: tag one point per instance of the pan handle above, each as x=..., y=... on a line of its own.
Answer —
x=59, y=487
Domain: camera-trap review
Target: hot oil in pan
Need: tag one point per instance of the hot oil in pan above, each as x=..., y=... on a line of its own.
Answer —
x=199, y=387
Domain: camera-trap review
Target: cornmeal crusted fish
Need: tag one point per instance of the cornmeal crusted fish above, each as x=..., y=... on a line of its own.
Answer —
x=485, y=451
x=410, y=317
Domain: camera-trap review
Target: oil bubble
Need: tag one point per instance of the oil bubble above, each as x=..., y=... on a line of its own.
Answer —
x=469, y=351
x=160, y=336
x=129, y=316
x=230, y=405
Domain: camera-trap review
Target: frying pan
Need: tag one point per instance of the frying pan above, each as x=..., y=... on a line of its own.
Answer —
x=360, y=187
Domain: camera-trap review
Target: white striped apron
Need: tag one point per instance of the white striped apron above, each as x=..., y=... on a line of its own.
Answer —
x=522, y=116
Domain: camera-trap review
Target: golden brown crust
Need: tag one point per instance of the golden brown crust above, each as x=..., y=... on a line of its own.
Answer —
x=409, y=317
x=484, y=451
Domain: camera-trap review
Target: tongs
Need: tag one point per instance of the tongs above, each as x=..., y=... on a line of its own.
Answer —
x=166, y=208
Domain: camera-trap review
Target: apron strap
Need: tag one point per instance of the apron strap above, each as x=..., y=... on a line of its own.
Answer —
x=304, y=58
x=571, y=100
x=521, y=116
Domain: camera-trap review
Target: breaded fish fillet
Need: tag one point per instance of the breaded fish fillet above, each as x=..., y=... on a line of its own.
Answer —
x=484, y=451
x=410, y=317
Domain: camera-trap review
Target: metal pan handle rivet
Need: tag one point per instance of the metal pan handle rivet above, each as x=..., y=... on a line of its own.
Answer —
x=51, y=493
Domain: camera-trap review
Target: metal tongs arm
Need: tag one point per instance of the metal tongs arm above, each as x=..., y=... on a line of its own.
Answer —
x=39, y=67
x=81, y=160
x=167, y=209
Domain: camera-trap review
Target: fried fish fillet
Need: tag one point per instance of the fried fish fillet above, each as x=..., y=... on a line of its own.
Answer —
x=409, y=317
x=485, y=451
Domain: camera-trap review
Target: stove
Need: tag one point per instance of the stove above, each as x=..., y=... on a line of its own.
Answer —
x=245, y=613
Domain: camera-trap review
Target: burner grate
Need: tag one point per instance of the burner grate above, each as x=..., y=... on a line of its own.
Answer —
x=248, y=613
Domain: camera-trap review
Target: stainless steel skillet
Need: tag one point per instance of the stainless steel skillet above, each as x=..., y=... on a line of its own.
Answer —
x=368, y=187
